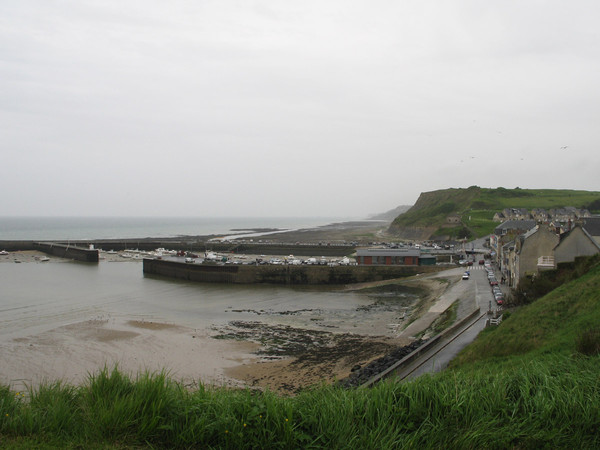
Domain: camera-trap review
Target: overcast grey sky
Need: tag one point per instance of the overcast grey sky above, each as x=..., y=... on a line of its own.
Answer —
x=280, y=108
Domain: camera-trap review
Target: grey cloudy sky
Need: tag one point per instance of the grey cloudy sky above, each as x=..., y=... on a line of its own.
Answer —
x=280, y=108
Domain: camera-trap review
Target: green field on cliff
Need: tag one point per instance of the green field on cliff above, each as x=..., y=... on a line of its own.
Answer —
x=476, y=207
x=532, y=382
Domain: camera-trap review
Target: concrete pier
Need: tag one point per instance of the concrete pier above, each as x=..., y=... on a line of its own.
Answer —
x=68, y=251
x=279, y=274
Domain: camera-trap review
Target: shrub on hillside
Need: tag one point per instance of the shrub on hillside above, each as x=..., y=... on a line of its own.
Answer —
x=588, y=342
x=594, y=207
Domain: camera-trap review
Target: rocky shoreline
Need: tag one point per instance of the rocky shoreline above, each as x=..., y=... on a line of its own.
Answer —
x=361, y=375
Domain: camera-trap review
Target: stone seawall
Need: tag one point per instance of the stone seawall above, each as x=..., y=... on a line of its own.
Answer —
x=68, y=251
x=279, y=274
x=197, y=246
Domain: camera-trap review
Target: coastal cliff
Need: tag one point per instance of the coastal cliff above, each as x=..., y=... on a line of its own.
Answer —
x=458, y=213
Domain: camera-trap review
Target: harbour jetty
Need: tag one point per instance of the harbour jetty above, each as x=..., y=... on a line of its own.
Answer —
x=193, y=245
x=279, y=274
x=77, y=253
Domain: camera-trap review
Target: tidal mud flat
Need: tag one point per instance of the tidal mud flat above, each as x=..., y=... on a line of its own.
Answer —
x=294, y=358
x=285, y=353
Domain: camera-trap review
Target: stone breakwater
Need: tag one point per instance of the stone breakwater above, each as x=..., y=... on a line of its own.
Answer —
x=280, y=274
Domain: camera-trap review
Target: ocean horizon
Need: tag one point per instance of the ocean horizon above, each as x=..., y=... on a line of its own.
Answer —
x=107, y=227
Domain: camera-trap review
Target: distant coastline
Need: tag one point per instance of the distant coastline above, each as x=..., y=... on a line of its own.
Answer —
x=97, y=228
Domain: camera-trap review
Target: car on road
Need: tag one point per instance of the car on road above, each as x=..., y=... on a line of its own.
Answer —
x=481, y=262
x=499, y=298
x=465, y=276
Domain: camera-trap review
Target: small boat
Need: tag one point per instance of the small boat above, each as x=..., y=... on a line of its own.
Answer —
x=3, y=252
x=44, y=259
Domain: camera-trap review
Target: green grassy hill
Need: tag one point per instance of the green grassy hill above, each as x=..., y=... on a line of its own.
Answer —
x=476, y=207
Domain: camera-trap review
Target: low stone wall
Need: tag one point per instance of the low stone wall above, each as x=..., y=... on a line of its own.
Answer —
x=14, y=246
x=397, y=367
x=200, y=246
x=68, y=251
x=279, y=274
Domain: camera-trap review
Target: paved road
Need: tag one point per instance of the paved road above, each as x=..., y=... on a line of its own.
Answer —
x=437, y=358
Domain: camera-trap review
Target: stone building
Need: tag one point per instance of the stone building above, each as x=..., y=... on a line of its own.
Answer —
x=533, y=252
x=454, y=219
x=505, y=233
x=388, y=256
x=575, y=243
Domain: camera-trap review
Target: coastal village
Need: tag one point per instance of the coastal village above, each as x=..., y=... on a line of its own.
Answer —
x=527, y=243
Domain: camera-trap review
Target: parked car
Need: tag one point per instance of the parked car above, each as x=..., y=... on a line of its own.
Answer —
x=493, y=282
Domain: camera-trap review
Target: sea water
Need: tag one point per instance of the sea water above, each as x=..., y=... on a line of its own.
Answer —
x=41, y=296
x=63, y=228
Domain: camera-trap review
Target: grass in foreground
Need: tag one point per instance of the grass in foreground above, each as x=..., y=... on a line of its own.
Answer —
x=552, y=403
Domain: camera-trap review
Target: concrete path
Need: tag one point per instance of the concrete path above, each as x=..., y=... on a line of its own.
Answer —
x=459, y=290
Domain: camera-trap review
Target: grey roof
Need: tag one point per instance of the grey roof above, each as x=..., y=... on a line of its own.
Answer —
x=592, y=225
x=508, y=245
x=585, y=233
x=530, y=232
x=388, y=252
x=520, y=225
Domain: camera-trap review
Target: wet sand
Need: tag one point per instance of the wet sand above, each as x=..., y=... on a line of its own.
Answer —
x=72, y=352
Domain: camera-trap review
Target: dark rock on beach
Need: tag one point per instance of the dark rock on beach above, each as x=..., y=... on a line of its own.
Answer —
x=364, y=374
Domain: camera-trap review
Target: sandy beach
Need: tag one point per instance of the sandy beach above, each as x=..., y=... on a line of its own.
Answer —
x=72, y=352
x=280, y=356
